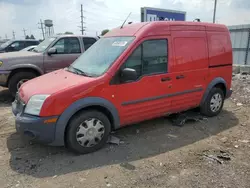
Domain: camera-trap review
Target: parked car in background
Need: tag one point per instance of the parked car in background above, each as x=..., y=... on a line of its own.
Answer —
x=53, y=53
x=17, y=45
x=29, y=48
x=133, y=73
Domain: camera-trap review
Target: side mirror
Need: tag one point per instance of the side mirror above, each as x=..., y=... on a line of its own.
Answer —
x=128, y=74
x=52, y=51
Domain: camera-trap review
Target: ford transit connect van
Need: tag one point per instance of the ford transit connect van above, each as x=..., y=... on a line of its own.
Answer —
x=134, y=73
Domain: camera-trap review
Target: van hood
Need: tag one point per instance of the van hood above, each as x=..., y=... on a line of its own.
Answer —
x=52, y=83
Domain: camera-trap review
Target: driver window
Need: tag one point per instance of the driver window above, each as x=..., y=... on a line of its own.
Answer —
x=149, y=58
x=68, y=46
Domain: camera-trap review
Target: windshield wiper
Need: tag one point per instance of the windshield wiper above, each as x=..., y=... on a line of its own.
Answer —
x=78, y=71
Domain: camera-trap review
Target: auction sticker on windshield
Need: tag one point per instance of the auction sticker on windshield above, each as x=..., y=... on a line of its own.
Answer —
x=119, y=43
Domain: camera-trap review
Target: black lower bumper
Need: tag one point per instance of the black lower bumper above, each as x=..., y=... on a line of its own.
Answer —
x=36, y=128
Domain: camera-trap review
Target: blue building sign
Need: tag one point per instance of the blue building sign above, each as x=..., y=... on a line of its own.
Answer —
x=155, y=14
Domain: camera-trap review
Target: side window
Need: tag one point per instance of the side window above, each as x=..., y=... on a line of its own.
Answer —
x=88, y=42
x=28, y=43
x=68, y=46
x=135, y=61
x=16, y=46
x=32, y=43
x=149, y=58
x=154, y=56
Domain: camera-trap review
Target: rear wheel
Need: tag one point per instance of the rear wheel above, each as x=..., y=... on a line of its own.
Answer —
x=18, y=79
x=213, y=103
x=88, y=131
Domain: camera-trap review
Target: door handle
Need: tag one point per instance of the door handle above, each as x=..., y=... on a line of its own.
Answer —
x=165, y=79
x=180, y=77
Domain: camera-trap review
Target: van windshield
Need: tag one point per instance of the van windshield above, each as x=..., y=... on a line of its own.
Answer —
x=44, y=45
x=101, y=55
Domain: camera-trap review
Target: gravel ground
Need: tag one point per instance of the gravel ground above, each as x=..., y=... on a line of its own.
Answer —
x=213, y=152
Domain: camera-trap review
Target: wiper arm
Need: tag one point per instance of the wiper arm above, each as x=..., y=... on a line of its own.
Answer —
x=78, y=71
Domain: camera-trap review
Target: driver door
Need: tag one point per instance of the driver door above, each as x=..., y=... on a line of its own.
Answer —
x=146, y=97
x=67, y=51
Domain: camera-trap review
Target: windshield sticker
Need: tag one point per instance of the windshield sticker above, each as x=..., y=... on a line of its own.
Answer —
x=119, y=43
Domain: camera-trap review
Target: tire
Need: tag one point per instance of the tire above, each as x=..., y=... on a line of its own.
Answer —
x=79, y=131
x=16, y=78
x=206, y=107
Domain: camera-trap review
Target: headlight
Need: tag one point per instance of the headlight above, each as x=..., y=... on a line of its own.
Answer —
x=1, y=63
x=35, y=104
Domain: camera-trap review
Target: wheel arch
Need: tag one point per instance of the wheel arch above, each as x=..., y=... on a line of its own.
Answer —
x=217, y=82
x=24, y=69
x=96, y=103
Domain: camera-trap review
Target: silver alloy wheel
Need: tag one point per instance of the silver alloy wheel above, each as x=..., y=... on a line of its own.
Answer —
x=90, y=132
x=21, y=82
x=216, y=102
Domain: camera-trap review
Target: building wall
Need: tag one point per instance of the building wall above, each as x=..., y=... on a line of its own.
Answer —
x=240, y=36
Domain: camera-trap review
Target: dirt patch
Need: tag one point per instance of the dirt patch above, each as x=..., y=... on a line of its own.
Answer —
x=153, y=154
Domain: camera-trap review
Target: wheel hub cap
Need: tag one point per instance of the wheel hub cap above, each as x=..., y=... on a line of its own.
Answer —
x=216, y=102
x=90, y=132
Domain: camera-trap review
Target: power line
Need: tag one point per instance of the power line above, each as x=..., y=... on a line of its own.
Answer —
x=215, y=6
x=41, y=23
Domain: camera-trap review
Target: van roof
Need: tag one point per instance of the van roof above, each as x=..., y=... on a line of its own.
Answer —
x=163, y=27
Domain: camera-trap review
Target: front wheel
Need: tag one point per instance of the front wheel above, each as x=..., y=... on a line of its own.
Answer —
x=213, y=103
x=88, y=131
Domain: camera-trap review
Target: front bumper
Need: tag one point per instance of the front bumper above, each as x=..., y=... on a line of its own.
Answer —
x=32, y=127
x=4, y=75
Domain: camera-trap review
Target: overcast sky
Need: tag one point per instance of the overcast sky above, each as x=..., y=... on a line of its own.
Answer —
x=16, y=15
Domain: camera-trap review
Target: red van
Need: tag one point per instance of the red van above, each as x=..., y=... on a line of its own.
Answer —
x=134, y=73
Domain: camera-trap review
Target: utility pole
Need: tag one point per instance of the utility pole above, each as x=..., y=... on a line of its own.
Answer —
x=82, y=28
x=24, y=32
x=13, y=33
x=215, y=6
x=6, y=36
x=41, y=23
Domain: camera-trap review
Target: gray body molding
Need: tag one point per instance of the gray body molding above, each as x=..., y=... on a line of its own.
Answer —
x=75, y=107
x=218, y=80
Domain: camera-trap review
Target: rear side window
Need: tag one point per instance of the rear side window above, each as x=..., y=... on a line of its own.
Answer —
x=30, y=43
x=219, y=48
x=149, y=58
x=190, y=53
x=34, y=43
x=88, y=42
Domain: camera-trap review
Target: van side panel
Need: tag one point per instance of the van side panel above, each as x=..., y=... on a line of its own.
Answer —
x=220, y=56
x=191, y=62
x=220, y=48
